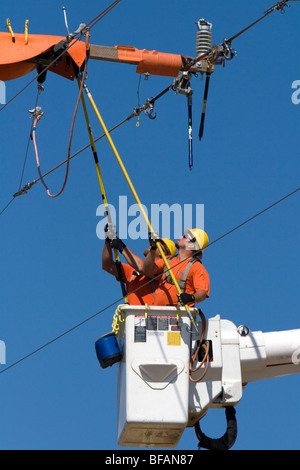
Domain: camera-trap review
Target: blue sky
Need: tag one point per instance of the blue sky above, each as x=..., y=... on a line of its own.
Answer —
x=52, y=280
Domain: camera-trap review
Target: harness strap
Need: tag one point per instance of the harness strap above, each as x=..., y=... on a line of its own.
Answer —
x=152, y=282
x=182, y=281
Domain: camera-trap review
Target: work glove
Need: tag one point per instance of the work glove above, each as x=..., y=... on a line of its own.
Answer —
x=118, y=244
x=110, y=232
x=185, y=298
x=112, y=239
x=153, y=238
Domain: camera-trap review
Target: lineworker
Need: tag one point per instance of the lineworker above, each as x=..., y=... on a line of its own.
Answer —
x=140, y=289
x=187, y=268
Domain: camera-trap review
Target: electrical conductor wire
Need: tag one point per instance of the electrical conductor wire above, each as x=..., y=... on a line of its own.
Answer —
x=121, y=298
x=90, y=25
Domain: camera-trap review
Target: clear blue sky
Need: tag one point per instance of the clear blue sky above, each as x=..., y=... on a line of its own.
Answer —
x=51, y=272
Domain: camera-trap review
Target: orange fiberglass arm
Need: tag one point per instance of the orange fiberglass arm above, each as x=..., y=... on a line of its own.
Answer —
x=17, y=58
x=153, y=62
x=21, y=56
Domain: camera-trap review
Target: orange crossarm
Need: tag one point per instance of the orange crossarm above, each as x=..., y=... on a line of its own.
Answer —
x=156, y=63
x=21, y=56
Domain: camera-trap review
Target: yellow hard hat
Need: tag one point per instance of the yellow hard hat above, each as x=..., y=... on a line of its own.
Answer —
x=198, y=236
x=170, y=245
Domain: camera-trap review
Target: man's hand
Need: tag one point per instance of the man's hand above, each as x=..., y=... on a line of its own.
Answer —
x=118, y=244
x=112, y=239
x=185, y=298
x=153, y=238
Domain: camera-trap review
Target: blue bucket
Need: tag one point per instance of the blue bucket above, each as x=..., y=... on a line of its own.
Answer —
x=107, y=350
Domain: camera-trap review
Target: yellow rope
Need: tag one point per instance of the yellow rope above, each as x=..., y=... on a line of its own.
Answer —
x=118, y=318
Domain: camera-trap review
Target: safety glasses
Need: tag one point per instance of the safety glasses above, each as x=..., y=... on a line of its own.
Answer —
x=189, y=237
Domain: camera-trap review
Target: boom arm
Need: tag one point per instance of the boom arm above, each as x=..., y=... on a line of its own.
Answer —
x=20, y=57
x=239, y=356
x=268, y=355
x=184, y=373
x=156, y=63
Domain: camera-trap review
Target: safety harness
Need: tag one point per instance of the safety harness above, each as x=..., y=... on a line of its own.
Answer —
x=181, y=282
x=138, y=274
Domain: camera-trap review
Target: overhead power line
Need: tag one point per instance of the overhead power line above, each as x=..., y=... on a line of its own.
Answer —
x=7, y=206
x=279, y=6
x=32, y=353
x=254, y=216
x=121, y=298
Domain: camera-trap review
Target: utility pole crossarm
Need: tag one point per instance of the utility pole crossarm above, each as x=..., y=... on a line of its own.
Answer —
x=153, y=62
